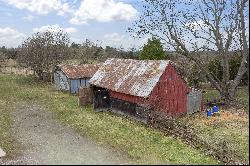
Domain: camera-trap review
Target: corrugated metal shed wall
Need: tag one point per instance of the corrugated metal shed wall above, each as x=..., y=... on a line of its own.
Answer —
x=61, y=81
x=82, y=82
x=194, y=101
x=76, y=83
x=87, y=82
x=57, y=81
x=71, y=77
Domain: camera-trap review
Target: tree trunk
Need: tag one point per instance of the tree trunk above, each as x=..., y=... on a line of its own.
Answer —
x=244, y=51
x=226, y=74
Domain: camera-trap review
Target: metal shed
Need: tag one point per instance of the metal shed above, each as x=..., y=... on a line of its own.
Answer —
x=71, y=77
x=135, y=87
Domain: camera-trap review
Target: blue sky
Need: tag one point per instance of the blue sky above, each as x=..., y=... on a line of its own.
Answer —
x=103, y=20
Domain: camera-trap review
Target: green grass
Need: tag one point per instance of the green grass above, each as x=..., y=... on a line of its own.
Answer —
x=6, y=142
x=234, y=131
x=144, y=145
x=242, y=95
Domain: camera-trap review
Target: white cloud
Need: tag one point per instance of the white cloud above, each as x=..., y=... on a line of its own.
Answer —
x=10, y=37
x=103, y=11
x=29, y=17
x=99, y=10
x=65, y=8
x=41, y=6
x=117, y=40
x=54, y=28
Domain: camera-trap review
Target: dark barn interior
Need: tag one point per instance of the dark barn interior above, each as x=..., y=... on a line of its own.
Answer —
x=103, y=102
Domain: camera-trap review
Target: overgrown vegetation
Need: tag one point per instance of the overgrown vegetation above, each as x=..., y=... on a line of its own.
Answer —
x=142, y=144
x=227, y=134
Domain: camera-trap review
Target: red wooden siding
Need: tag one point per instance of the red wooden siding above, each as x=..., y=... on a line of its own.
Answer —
x=129, y=98
x=170, y=93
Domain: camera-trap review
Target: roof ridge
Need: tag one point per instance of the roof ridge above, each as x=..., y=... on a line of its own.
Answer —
x=139, y=59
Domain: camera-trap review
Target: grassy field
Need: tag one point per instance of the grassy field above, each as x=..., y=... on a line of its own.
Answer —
x=242, y=95
x=231, y=127
x=144, y=145
x=6, y=141
x=229, y=131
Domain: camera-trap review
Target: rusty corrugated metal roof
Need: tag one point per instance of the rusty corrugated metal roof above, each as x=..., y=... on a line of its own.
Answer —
x=79, y=71
x=129, y=76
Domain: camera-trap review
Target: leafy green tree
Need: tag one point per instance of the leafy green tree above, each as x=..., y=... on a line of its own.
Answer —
x=195, y=76
x=216, y=68
x=153, y=50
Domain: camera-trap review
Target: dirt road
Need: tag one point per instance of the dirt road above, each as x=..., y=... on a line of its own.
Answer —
x=45, y=141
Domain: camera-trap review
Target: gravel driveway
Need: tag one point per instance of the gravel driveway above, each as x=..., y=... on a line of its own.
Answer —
x=45, y=141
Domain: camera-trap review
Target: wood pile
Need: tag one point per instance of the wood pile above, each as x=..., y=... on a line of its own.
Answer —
x=85, y=96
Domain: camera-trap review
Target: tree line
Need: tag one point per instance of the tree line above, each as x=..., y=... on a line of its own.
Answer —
x=222, y=59
x=44, y=50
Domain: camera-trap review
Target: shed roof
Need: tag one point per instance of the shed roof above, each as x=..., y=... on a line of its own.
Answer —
x=129, y=76
x=79, y=71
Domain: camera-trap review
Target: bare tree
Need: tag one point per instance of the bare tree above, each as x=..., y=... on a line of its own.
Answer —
x=43, y=51
x=88, y=51
x=191, y=27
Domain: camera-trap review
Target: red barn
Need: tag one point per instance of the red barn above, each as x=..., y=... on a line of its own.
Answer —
x=133, y=87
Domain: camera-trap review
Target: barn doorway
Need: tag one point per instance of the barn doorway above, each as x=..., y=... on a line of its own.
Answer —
x=101, y=100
